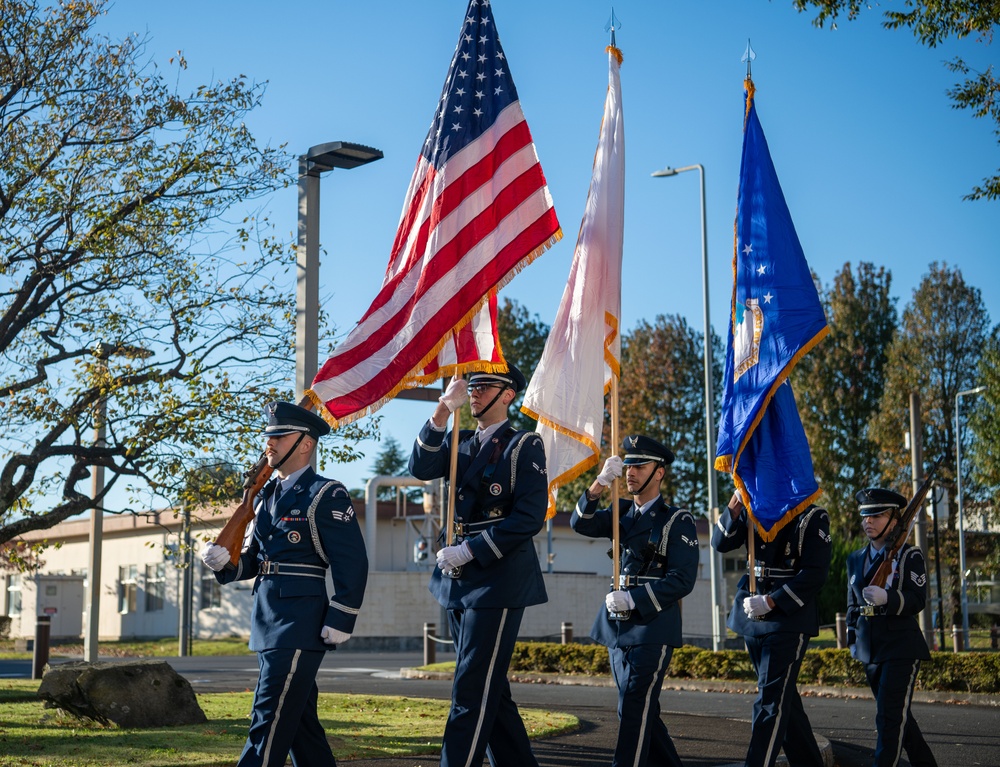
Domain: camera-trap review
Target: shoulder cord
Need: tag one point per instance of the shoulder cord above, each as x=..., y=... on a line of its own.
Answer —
x=311, y=516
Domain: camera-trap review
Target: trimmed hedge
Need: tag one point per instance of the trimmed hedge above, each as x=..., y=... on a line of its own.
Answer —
x=975, y=672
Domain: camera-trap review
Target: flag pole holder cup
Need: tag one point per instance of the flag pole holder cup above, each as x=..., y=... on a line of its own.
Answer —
x=620, y=615
x=457, y=537
x=867, y=611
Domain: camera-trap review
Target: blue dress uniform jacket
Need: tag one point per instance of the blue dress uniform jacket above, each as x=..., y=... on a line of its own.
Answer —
x=663, y=578
x=290, y=609
x=508, y=512
x=893, y=631
x=502, y=492
x=792, y=570
x=660, y=552
x=891, y=646
x=794, y=567
x=311, y=528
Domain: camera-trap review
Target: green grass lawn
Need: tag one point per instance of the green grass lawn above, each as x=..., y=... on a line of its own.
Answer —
x=151, y=648
x=358, y=726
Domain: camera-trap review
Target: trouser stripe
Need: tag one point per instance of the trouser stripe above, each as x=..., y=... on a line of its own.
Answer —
x=645, y=707
x=486, y=691
x=281, y=703
x=790, y=678
x=906, y=710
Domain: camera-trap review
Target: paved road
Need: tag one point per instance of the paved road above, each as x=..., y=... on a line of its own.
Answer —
x=709, y=728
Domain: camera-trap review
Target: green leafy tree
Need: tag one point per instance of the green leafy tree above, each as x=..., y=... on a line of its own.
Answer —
x=138, y=283
x=392, y=461
x=662, y=395
x=936, y=353
x=932, y=22
x=839, y=384
x=981, y=443
x=522, y=338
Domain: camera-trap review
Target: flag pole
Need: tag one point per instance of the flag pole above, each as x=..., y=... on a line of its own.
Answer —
x=453, y=472
x=615, y=527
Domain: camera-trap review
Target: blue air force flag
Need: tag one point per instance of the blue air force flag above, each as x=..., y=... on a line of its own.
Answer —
x=776, y=318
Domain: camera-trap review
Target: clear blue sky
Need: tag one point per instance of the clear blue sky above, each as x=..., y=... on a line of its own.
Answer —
x=872, y=158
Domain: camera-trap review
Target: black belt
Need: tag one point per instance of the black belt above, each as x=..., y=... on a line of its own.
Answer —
x=288, y=568
x=760, y=571
x=472, y=529
x=628, y=581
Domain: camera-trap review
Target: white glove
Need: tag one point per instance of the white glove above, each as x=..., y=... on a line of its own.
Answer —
x=756, y=606
x=215, y=557
x=611, y=471
x=619, y=602
x=451, y=557
x=874, y=595
x=330, y=635
x=455, y=395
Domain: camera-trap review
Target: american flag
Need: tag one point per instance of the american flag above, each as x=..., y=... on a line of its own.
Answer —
x=477, y=211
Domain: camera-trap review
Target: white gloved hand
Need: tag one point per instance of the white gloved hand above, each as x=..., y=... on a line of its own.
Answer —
x=451, y=557
x=215, y=557
x=756, y=606
x=875, y=595
x=330, y=635
x=455, y=395
x=619, y=602
x=611, y=471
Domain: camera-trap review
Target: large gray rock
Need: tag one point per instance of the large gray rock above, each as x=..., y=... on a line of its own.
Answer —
x=133, y=694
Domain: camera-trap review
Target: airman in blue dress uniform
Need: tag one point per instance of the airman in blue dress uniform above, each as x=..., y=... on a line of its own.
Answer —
x=640, y=622
x=491, y=573
x=304, y=526
x=882, y=629
x=776, y=623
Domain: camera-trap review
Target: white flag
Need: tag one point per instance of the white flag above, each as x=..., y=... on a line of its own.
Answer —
x=583, y=350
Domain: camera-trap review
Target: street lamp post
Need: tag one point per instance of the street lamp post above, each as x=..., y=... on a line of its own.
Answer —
x=961, y=518
x=103, y=352
x=713, y=501
x=312, y=164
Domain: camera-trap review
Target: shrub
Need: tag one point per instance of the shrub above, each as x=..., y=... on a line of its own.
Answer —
x=975, y=672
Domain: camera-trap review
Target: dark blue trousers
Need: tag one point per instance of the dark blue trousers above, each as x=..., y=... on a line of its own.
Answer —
x=284, y=719
x=484, y=720
x=642, y=736
x=779, y=720
x=892, y=684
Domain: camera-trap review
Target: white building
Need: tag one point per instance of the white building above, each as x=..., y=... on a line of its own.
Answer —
x=141, y=577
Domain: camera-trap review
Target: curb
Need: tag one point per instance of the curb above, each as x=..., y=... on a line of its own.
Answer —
x=721, y=685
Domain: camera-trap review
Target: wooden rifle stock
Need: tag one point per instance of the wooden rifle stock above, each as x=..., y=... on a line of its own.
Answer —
x=235, y=531
x=899, y=534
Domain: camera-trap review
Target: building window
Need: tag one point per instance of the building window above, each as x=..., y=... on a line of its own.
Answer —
x=128, y=589
x=156, y=582
x=14, y=595
x=211, y=591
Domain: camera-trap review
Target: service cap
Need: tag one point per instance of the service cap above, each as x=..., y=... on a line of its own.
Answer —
x=875, y=500
x=512, y=378
x=641, y=449
x=285, y=418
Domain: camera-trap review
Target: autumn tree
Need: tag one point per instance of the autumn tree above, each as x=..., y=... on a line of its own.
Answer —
x=139, y=285
x=839, y=385
x=932, y=22
x=936, y=353
x=662, y=395
x=981, y=442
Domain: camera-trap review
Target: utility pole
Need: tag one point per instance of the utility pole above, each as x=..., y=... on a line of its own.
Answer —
x=920, y=528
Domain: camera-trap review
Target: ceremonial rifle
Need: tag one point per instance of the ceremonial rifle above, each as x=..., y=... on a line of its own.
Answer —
x=232, y=535
x=898, y=535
